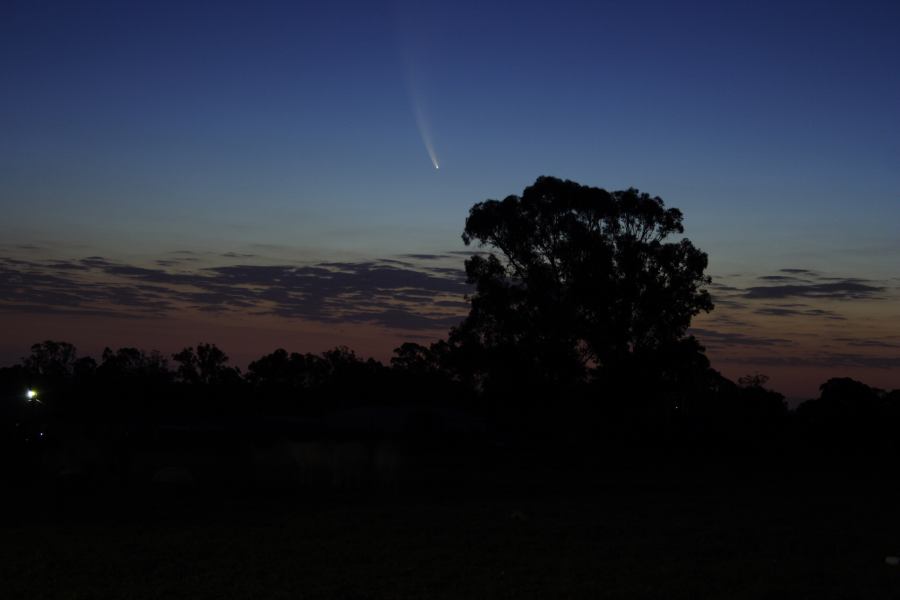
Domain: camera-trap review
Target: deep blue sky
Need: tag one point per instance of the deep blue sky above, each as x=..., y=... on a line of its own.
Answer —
x=134, y=129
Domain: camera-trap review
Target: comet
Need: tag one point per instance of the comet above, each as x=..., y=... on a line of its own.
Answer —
x=422, y=125
x=413, y=45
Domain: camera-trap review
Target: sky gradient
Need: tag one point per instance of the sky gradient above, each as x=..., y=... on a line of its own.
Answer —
x=258, y=174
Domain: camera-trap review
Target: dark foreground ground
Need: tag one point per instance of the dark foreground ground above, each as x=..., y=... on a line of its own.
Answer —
x=619, y=533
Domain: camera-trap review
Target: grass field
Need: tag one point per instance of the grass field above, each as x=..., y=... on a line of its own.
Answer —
x=645, y=535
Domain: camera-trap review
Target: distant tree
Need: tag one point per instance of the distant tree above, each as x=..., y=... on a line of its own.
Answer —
x=341, y=359
x=132, y=362
x=51, y=359
x=272, y=370
x=850, y=395
x=414, y=358
x=84, y=368
x=342, y=366
x=579, y=279
x=421, y=375
x=283, y=371
x=841, y=400
x=206, y=365
x=756, y=380
x=847, y=416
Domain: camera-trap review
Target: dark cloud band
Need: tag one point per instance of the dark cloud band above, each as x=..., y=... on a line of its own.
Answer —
x=402, y=296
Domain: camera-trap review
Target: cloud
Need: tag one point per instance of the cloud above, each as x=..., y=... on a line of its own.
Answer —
x=419, y=295
x=727, y=302
x=831, y=360
x=403, y=296
x=41, y=309
x=867, y=343
x=786, y=311
x=96, y=261
x=839, y=289
x=453, y=304
x=65, y=266
x=797, y=271
x=47, y=289
x=144, y=274
x=423, y=256
x=730, y=338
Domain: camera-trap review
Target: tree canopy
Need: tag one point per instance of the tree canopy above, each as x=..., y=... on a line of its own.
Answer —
x=579, y=279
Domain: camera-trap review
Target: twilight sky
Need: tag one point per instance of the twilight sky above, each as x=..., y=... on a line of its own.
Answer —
x=261, y=174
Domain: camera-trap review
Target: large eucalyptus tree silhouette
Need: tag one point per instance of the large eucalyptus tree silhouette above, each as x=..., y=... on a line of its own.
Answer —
x=579, y=280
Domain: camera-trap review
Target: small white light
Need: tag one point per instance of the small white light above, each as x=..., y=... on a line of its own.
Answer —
x=31, y=394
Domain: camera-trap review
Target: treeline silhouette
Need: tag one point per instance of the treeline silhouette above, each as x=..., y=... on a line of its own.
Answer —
x=69, y=415
x=576, y=348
